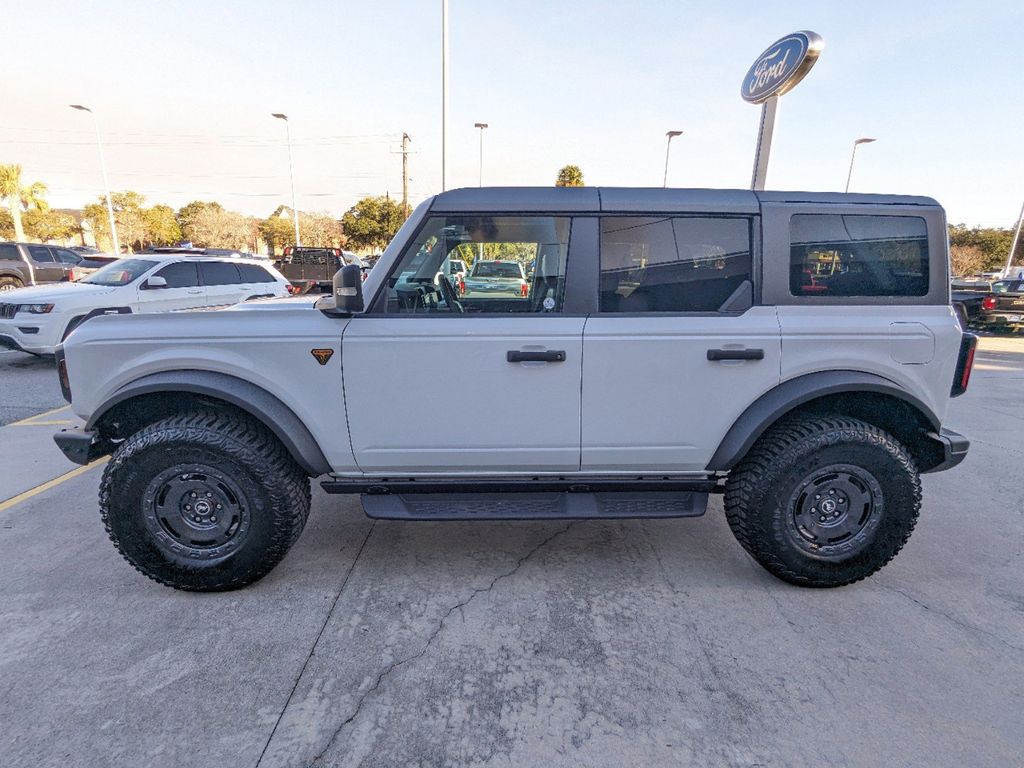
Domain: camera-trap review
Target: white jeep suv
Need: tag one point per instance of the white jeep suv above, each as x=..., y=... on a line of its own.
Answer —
x=794, y=351
x=38, y=318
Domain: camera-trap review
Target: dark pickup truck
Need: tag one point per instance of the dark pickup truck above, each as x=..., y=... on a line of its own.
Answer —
x=313, y=269
x=1003, y=306
x=967, y=296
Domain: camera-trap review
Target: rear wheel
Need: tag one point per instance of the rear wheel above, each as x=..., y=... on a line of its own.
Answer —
x=824, y=501
x=204, y=501
x=10, y=284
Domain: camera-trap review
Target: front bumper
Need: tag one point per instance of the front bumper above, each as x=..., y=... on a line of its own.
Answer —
x=27, y=333
x=81, y=445
x=954, y=447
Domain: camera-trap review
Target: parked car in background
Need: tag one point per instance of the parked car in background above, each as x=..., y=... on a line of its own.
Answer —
x=313, y=269
x=505, y=278
x=36, y=319
x=1003, y=307
x=23, y=264
x=87, y=250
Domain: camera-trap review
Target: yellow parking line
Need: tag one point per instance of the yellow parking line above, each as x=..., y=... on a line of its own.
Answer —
x=27, y=423
x=38, y=415
x=15, y=500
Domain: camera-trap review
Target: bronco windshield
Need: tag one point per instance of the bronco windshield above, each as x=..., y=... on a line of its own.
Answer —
x=120, y=272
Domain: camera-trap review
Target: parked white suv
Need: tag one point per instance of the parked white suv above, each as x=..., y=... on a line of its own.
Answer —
x=794, y=351
x=38, y=318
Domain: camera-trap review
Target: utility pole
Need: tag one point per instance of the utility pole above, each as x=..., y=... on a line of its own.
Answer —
x=405, y=175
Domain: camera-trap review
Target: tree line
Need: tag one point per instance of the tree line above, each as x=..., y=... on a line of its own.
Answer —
x=368, y=226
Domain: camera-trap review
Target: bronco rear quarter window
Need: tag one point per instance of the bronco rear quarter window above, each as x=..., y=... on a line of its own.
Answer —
x=846, y=256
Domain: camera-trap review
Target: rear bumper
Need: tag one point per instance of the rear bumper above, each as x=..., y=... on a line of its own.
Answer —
x=954, y=447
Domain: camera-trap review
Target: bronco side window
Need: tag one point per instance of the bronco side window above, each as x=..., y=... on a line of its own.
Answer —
x=857, y=255
x=514, y=264
x=672, y=264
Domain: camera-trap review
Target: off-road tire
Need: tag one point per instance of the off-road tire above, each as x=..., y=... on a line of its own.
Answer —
x=760, y=491
x=8, y=283
x=254, y=469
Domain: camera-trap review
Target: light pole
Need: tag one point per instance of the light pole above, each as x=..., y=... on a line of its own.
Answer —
x=1013, y=245
x=853, y=155
x=481, y=126
x=106, y=183
x=668, y=145
x=291, y=173
x=444, y=95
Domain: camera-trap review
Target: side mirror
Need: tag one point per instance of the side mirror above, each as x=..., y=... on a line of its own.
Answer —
x=156, y=282
x=347, y=295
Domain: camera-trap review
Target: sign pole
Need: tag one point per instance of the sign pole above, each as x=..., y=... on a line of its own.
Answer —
x=769, y=109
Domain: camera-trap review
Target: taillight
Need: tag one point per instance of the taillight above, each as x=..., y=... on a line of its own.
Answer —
x=964, y=364
x=524, y=290
x=293, y=290
x=989, y=303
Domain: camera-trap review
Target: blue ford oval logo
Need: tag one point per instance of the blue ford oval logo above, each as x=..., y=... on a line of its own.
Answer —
x=781, y=66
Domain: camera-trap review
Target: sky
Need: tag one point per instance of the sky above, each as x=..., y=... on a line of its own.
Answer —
x=184, y=91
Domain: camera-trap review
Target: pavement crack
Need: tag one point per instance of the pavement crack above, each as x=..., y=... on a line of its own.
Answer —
x=386, y=672
x=954, y=620
x=312, y=648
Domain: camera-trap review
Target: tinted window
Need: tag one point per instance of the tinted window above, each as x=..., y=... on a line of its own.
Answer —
x=500, y=250
x=834, y=255
x=9, y=252
x=68, y=257
x=252, y=273
x=219, y=273
x=182, y=274
x=662, y=264
x=40, y=254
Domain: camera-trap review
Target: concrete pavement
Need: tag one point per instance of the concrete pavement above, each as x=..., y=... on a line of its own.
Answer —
x=654, y=643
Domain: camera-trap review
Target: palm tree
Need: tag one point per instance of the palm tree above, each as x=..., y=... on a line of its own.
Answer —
x=19, y=197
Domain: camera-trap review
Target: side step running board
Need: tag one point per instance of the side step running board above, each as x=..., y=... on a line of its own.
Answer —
x=534, y=506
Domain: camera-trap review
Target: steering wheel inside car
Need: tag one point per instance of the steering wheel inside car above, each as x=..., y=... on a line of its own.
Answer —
x=451, y=298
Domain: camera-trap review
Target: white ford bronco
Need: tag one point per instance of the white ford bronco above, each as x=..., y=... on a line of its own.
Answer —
x=793, y=351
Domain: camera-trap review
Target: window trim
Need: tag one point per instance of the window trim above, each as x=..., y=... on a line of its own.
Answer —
x=754, y=233
x=377, y=306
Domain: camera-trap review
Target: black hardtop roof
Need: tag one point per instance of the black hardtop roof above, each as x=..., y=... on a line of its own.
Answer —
x=642, y=199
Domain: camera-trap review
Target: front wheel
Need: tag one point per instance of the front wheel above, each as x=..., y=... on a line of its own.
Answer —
x=204, y=501
x=10, y=284
x=824, y=501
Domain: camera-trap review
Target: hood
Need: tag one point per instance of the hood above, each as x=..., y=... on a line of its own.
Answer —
x=289, y=302
x=52, y=293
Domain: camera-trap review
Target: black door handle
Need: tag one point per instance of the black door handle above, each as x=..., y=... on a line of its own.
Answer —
x=735, y=354
x=518, y=356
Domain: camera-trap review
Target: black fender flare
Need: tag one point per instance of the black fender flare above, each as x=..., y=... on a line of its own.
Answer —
x=251, y=398
x=777, y=402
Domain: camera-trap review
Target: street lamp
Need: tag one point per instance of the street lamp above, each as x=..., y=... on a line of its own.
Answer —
x=668, y=145
x=291, y=173
x=444, y=95
x=481, y=126
x=853, y=154
x=106, y=183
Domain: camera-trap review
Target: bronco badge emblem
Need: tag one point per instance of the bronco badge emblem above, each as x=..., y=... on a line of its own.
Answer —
x=322, y=355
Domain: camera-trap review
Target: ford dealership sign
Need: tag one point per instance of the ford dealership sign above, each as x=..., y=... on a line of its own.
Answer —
x=781, y=66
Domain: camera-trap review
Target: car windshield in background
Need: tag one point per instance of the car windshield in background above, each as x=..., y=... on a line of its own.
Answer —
x=120, y=272
x=497, y=269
